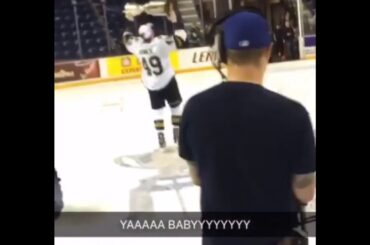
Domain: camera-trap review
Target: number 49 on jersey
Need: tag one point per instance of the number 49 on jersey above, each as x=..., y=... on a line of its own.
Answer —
x=152, y=65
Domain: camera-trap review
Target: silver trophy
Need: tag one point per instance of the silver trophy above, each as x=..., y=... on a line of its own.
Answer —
x=131, y=10
x=154, y=8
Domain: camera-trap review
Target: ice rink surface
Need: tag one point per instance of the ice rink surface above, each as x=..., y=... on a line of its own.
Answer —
x=96, y=124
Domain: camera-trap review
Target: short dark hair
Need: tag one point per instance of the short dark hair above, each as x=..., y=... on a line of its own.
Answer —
x=244, y=57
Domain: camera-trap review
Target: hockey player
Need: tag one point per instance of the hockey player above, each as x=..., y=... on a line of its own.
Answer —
x=157, y=76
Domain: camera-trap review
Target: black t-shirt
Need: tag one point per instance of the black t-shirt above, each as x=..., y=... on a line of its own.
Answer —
x=247, y=142
x=288, y=33
x=279, y=34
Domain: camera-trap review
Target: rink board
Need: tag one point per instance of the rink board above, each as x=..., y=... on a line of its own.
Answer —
x=128, y=67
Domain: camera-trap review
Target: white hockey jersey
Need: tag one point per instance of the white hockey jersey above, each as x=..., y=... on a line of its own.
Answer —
x=156, y=70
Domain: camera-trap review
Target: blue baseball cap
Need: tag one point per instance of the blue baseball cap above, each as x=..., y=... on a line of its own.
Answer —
x=246, y=30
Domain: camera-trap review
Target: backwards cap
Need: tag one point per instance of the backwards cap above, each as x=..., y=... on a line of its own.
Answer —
x=246, y=30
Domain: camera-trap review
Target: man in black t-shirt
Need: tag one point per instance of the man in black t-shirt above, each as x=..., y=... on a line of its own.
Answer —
x=289, y=38
x=248, y=148
x=279, y=42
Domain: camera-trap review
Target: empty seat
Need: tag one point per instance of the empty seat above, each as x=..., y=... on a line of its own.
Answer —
x=103, y=50
x=84, y=16
x=91, y=53
x=99, y=41
x=95, y=31
x=92, y=24
x=88, y=41
x=64, y=34
x=66, y=53
x=92, y=50
x=85, y=33
x=115, y=40
x=83, y=24
x=65, y=44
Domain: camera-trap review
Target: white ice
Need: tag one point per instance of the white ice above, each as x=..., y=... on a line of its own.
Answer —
x=97, y=123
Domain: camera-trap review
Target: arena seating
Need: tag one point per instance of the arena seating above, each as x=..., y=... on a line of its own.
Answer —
x=91, y=27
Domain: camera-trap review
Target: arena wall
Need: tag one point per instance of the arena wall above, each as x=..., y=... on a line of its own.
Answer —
x=93, y=71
